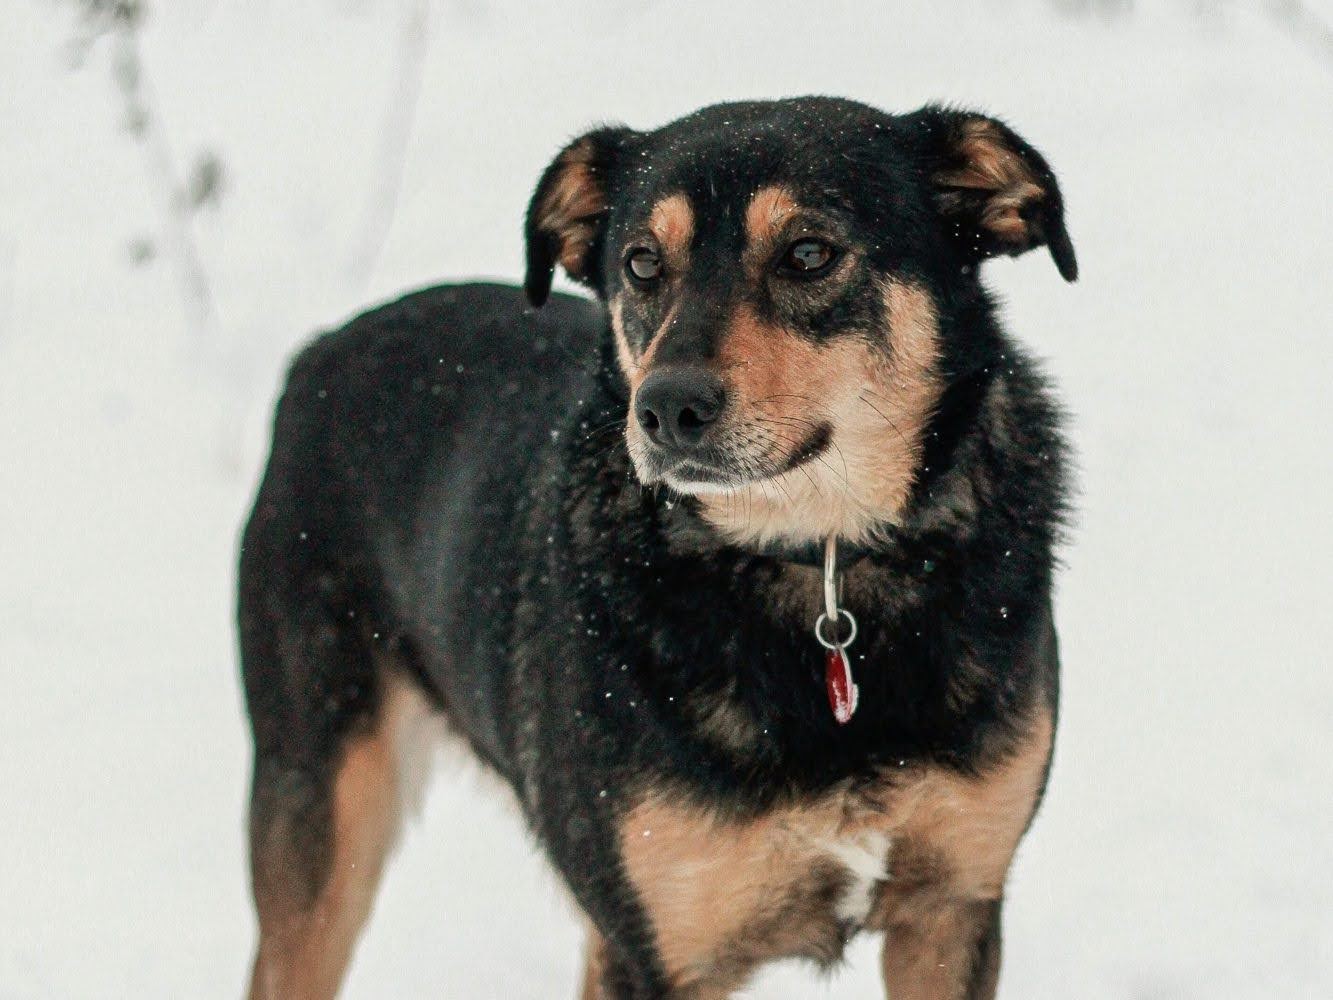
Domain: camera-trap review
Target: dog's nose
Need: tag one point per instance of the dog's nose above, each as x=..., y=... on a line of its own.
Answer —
x=675, y=406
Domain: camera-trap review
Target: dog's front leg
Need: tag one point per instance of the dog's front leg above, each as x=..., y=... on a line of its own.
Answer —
x=605, y=975
x=943, y=950
x=606, y=978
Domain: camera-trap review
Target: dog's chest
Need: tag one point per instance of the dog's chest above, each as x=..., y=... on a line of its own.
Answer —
x=795, y=881
x=724, y=894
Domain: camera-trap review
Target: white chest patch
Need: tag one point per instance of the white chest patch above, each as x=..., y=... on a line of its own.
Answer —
x=866, y=859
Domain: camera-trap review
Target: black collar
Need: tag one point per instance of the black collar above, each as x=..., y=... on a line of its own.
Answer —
x=809, y=553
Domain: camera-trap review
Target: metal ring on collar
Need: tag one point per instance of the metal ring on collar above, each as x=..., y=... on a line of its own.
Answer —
x=819, y=630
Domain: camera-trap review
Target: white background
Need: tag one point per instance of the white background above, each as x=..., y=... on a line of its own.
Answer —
x=1184, y=848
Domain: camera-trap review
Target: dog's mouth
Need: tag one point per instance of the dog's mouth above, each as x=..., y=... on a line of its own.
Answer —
x=729, y=466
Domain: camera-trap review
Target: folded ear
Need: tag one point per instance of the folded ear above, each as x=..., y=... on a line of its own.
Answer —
x=995, y=192
x=567, y=215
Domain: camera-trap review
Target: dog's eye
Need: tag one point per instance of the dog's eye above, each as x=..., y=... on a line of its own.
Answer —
x=807, y=258
x=644, y=264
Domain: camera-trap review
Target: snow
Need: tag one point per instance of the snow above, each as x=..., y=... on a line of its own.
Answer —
x=1183, y=850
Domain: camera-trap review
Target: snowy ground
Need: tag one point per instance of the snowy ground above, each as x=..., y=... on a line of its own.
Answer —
x=1183, y=851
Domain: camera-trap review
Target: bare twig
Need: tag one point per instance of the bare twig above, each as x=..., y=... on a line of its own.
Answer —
x=119, y=21
x=395, y=136
x=176, y=205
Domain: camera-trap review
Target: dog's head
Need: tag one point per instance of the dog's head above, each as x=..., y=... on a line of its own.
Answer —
x=780, y=277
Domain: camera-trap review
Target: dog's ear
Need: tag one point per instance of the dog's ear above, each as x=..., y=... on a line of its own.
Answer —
x=566, y=220
x=995, y=192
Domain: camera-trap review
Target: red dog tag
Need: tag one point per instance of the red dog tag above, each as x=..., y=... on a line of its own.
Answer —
x=842, y=691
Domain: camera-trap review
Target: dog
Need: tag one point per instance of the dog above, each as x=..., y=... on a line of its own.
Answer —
x=738, y=573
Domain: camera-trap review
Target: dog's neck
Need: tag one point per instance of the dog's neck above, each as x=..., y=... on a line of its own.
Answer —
x=688, y=530
x=812, y=553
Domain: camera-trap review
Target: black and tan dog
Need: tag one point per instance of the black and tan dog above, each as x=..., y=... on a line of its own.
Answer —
x=588, y=537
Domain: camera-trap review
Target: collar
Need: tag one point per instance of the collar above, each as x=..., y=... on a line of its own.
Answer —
x=810, y=553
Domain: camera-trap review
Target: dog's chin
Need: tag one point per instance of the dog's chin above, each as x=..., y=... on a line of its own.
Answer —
x=685, y=477
x=700, y=488
x=695, y=477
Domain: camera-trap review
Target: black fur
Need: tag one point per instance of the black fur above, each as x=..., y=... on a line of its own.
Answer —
x=449, y=490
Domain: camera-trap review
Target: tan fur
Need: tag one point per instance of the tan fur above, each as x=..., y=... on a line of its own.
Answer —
x=989, y=165
x=765, y=216
x=672, y=223
x=595, y=963
x=724, y=895
x=304, y=948
x=951, y=864
x=931, y=957
x=711, y=888
x=970, y=827
x=575, y=199
x=1002, y=213
x=878, y=404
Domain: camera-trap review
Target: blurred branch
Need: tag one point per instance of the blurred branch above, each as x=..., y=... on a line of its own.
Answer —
x=101, y=17
x=119, y=21
x=395, y=137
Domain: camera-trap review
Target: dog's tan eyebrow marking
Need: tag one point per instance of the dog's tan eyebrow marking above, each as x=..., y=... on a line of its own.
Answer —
x=766, y=216
x=769, y=208
x=672, y=223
